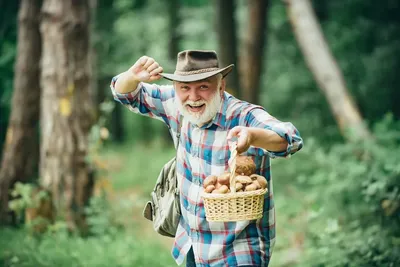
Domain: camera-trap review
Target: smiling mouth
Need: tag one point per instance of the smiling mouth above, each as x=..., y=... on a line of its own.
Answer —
x=196, y=108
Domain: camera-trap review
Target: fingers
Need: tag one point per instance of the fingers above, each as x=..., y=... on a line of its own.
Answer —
x=137, y=66
x=148, y=62
x=242, y=135
x=146, y=69
x=234, y=132
x=156, y=71
x=154, y=78
x=242, y=143
x=152, y=67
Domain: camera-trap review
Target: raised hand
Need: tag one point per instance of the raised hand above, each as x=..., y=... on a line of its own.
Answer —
x=146, y=69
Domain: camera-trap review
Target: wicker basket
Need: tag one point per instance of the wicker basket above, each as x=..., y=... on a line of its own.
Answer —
x=234, y=206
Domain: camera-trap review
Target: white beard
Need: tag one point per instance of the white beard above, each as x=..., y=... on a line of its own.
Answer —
x=211, y=109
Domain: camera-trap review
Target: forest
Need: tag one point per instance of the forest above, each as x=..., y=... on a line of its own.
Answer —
x=77, y=167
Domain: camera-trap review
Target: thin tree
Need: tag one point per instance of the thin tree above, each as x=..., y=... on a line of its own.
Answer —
x=174, y=20
x=227, y=42
x=325, y=69
x=175, y=36
x=251, y=60
x=66, y=110
x=103, y=21
x=21, y=149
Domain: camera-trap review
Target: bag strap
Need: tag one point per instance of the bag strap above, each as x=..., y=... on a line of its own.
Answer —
x=178, y=136
x=178, y=133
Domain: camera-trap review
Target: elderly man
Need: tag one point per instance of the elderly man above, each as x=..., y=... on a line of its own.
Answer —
x=210, y=117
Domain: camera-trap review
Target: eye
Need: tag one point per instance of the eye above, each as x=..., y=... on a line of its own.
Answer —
x=203, y=87
x=184, y=87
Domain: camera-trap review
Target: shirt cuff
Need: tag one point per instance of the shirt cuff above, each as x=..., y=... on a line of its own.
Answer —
x=126, y=98
x=284, y=130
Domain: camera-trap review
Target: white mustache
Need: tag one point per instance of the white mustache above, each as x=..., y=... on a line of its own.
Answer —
x=195, y=103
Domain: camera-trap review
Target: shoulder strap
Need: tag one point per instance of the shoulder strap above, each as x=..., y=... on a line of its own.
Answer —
x=178, y=136
x=178, y=133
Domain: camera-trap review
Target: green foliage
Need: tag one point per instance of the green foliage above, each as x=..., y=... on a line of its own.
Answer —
x=22, y=197
x=352, y=199
x=365, y=43
x=101, y=217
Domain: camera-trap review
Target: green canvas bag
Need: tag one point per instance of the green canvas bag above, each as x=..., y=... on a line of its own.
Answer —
x=164, y=209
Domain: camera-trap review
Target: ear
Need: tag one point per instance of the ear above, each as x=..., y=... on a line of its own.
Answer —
x=223, y=87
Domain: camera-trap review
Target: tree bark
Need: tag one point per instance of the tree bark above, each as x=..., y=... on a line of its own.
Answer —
x=254, y=47
x=174, y=21
x=93, y=58
x=67, y=113
x=325, y=69
x=21, y=150
x=174, y=32
x=226, y=29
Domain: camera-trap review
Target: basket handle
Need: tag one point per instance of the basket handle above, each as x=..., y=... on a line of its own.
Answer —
x=232, y=166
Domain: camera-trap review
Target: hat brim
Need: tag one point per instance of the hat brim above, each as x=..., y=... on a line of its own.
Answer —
x=196, y=77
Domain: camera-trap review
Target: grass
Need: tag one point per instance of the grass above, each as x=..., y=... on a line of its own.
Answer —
x=136, y=165
x=122, y=249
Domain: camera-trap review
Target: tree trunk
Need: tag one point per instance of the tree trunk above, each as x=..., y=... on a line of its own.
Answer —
x=67, y=114
x=117, y=124
x=254, y=47
x=174, y=18
x=93, y=58
x=21, y=149
x=174, y=32
x=226, y=29
x=325, y=69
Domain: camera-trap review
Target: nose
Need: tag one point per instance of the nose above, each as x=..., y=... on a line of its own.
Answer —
x=193, y=95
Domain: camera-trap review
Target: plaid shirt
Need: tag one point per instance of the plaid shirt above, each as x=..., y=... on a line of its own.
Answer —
x=204, y=151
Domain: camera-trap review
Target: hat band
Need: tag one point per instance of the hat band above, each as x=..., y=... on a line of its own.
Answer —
x=195, y=71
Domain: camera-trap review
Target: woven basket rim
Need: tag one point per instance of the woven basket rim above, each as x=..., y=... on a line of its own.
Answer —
x=234, y=195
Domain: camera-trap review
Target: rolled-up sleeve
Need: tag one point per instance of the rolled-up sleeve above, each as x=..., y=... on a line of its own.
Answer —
x=150, y=100
x=125, y=99
x=258, y=117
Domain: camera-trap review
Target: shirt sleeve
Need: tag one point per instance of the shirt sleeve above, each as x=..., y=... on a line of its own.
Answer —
x=150, y=100
x=258, y=117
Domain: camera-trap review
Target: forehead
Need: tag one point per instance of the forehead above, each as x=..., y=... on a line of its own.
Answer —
x=208, y=80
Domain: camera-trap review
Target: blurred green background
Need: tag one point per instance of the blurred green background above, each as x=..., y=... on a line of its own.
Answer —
x=334, y=207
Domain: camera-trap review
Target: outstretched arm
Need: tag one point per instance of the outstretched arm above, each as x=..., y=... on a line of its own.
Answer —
x=251, y=136
x=262, y=130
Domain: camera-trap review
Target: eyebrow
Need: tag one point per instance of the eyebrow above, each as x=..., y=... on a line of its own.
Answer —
x=208, y=80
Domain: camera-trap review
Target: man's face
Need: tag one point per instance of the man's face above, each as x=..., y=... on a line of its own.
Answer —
x=199, y=101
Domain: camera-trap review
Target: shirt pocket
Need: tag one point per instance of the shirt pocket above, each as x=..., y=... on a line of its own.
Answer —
x=218, y=158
